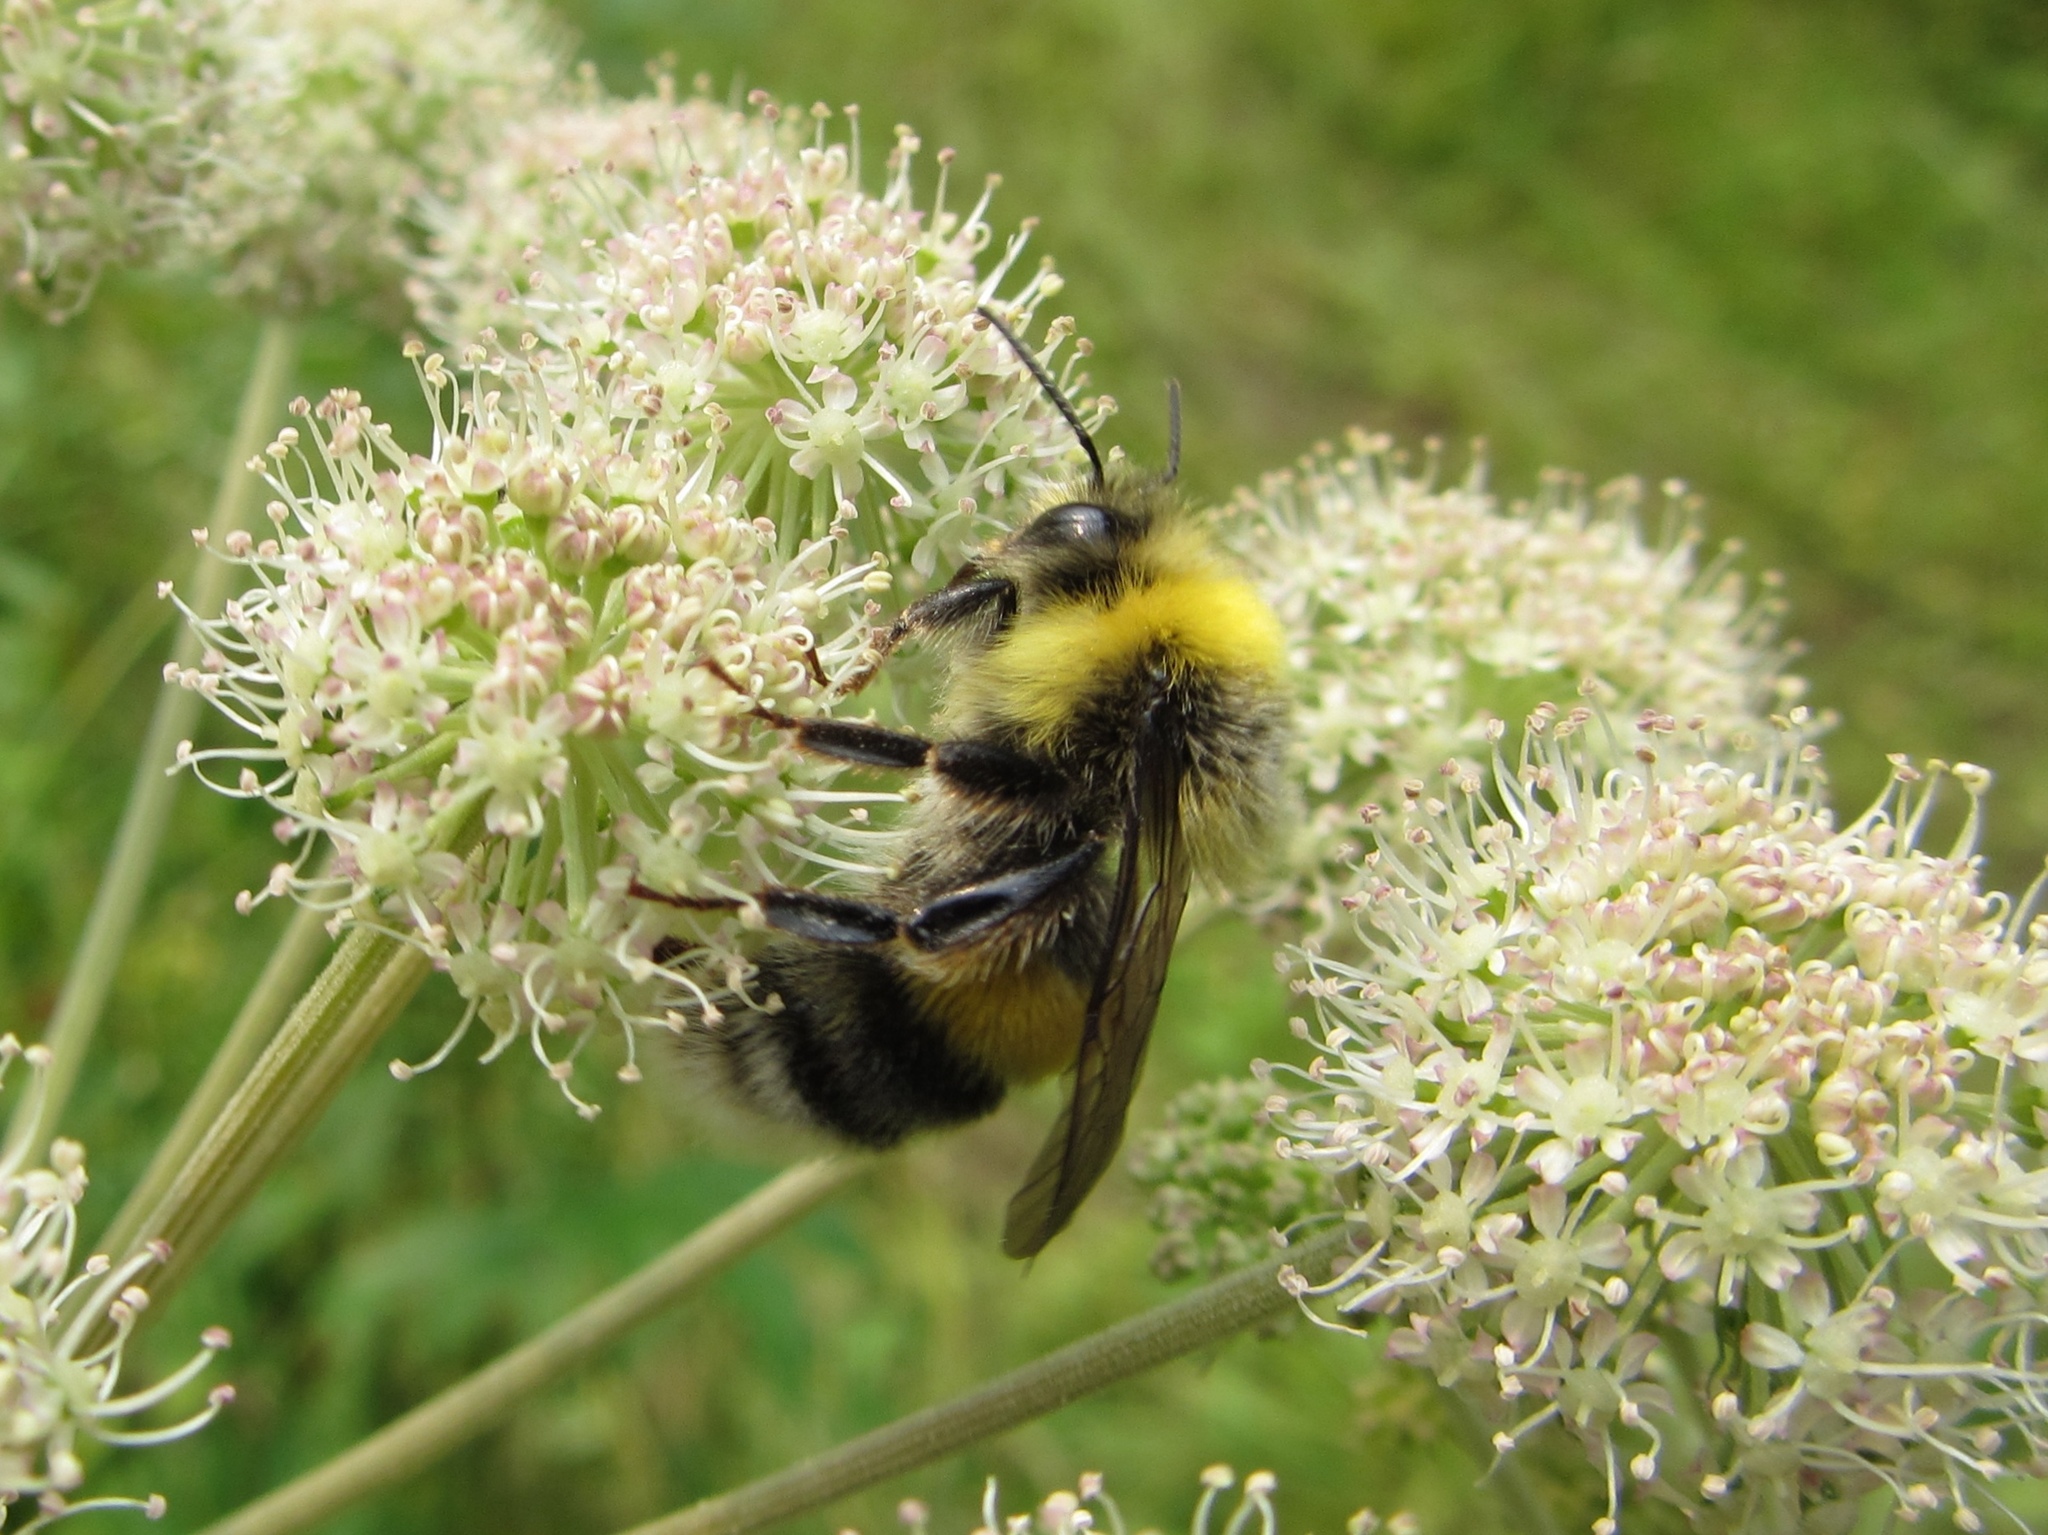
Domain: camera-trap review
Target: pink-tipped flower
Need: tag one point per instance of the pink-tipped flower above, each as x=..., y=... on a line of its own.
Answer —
x=64, y=1327
x=520, y=683
x=515, y=685
x=343, y=118
x=104, y=105
x=1629, y=1054
x=1419, y=610
x=1087, y=1507
x=728, y=276
x=292, y=144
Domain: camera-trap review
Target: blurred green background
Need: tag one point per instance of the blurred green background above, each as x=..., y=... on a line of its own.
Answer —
x=1794, y=254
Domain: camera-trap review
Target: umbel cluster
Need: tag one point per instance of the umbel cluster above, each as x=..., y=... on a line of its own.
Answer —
x=1665, y=1110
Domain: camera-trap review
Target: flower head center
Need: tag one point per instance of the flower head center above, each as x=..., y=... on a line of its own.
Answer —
x=1548, y=1271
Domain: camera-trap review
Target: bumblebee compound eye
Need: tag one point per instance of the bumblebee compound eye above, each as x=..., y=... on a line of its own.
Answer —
x=1078, y=522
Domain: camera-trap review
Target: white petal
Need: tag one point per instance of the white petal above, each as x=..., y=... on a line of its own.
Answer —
x=1768, y=1348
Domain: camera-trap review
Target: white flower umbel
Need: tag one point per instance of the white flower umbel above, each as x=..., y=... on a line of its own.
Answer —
x=344, y=115
x=1420, y=610
x=1089, y=1507
x=728, y=279
x=104, y=106
x=531, y=199
x=1686, y=1119
x=290, y=140
x=516, y=682
x=64, y=1326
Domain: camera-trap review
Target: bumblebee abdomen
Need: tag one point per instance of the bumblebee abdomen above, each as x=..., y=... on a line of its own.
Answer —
x=850, y=1045
x=1022, y=1024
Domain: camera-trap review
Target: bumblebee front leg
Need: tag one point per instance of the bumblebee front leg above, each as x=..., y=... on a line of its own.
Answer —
x=970, y=597
x=978, y=768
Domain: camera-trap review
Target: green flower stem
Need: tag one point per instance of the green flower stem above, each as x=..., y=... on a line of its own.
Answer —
x=124, y=640
x=487, y=1398
x=1208, y=1315
x=284, y=976
x=119, y=896
x=348, y=1006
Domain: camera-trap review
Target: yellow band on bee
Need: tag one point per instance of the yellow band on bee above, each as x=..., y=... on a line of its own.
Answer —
x=1023, y=1024
x=1056, y=658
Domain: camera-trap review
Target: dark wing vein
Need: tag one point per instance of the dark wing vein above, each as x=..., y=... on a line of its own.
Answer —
x=1151, y=891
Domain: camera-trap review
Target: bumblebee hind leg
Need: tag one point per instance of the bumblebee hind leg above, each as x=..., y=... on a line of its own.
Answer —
x=957, y=917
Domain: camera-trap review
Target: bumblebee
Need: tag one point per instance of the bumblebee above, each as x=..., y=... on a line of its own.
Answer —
x=1112, y=725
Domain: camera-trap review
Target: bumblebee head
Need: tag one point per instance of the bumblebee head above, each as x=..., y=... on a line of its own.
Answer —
x=1093, y=541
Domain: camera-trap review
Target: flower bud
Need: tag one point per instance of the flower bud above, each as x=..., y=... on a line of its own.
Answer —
x=541, y=488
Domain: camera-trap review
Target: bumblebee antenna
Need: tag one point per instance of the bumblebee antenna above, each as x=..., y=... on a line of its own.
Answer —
x=1052, y=390
x=1172, y=430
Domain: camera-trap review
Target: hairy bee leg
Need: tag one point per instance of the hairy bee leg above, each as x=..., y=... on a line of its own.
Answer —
x=843, y=740
x=995, y=772
x=816, y=667
x=961, y=916
x=641, y=892
x=833, y=919
x=977, y=767
x=968, y=597
x=804, y=913
x=861, y=745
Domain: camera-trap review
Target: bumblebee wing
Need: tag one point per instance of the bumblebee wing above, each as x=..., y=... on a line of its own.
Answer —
x=1151, y=890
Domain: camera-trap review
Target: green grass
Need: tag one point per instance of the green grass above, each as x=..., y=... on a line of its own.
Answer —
x=1792, y=254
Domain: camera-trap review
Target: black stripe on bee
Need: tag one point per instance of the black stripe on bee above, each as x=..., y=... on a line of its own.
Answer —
x=858, y=1051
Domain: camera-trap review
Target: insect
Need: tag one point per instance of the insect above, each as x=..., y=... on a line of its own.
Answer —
x=1112, y=725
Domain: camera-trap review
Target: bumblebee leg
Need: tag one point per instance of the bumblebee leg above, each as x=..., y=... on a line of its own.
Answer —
x=964, y=915
x=844, y=740
x=977, y=767
x=969, y=597
x=973, y=767
x=805, y=913
x=641, y=892
x=828, y=918
x=960, y=916
x=862, y=745
x=984, y=768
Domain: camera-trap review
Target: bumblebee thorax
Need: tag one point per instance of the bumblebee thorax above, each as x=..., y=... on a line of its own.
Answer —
x=1110, y=592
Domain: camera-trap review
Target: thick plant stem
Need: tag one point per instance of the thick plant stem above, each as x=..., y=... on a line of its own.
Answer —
x=1209, y=1315
x=369, y=979
x=120, y=892
x=488, y=1397
x=284, y=976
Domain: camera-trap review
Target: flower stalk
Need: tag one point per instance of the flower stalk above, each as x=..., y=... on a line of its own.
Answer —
x=1218, y=1310
x=469, y=1408
x=369, y=980
x=303, y=941
x=119, y=896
